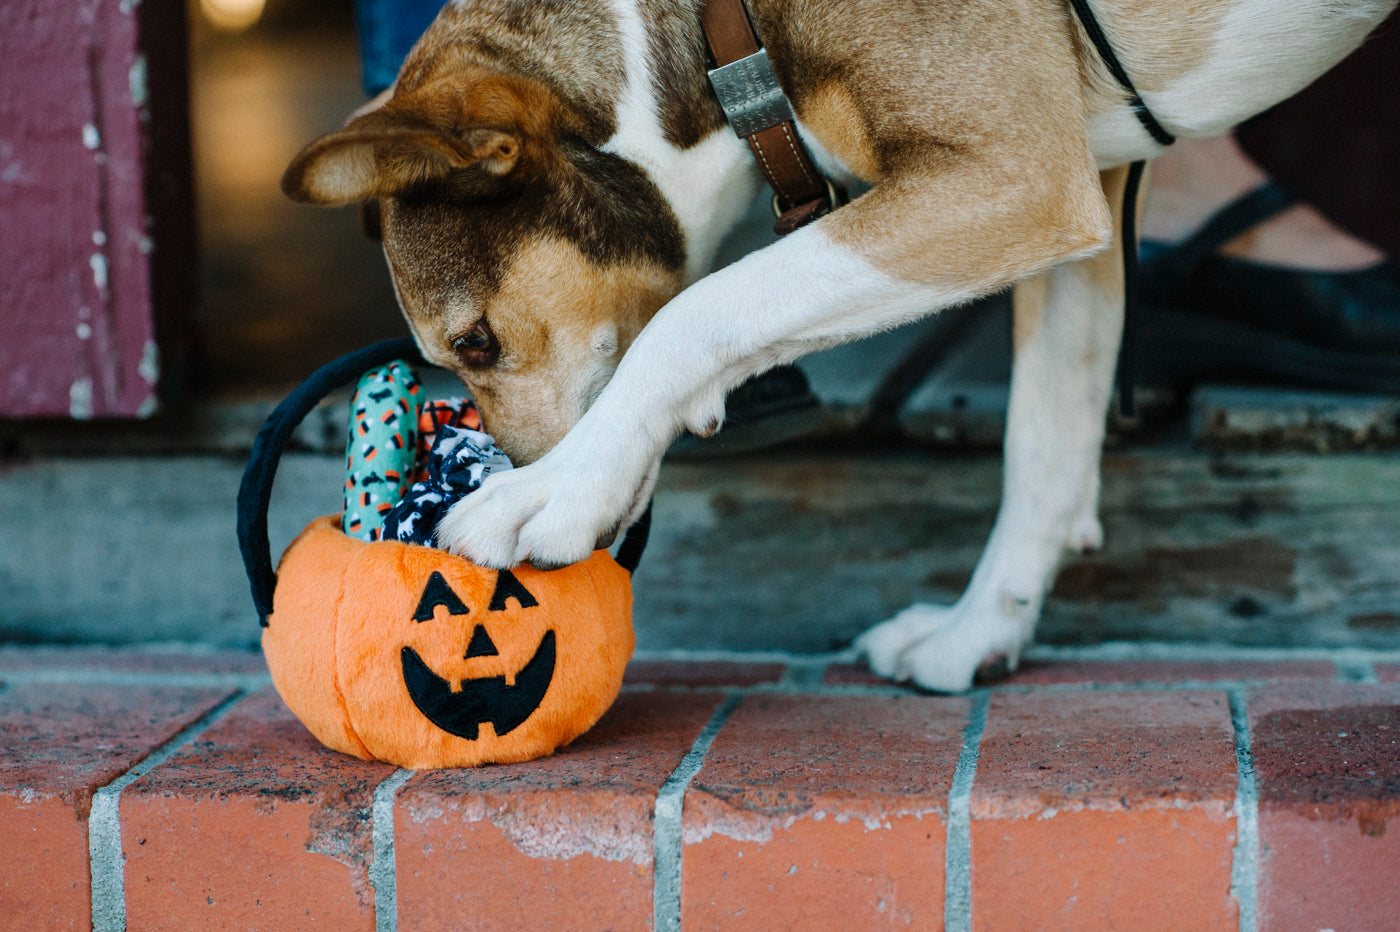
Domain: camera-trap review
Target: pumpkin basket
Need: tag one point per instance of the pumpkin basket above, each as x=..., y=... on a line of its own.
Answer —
x=408, y=654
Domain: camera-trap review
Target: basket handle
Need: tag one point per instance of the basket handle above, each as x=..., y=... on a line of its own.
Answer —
x=255, y=491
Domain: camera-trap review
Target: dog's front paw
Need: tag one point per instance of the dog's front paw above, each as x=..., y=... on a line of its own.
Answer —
x=485, y=526
x=884, y=644
x=942, y=649
x=541, y=514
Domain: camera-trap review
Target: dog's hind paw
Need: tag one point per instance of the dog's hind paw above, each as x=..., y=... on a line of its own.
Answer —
x=941, y=649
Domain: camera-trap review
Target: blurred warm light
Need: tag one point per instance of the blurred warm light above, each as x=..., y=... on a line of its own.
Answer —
x=232, y=15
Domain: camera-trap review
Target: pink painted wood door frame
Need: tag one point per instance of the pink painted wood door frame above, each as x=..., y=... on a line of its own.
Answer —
x=96, y=230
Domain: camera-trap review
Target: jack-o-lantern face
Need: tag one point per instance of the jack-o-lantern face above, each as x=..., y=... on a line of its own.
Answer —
x=425, y=660
x=462, y=711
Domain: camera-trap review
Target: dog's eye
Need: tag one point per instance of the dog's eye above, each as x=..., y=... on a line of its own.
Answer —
x=476, y=340
x=477, y=347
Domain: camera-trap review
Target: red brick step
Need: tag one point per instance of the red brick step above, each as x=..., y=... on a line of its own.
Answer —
x=1249, y=791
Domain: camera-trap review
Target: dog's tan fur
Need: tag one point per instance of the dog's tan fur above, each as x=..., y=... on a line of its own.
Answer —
x=833, y=107
x=570, y=47
x=1163, y=40
x=916, y=99
x=551, y=301
x=984, y=178
x=459, y=132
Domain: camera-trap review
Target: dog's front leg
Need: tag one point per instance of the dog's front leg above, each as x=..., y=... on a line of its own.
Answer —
x=770, y=307
x=918, y=242
x=1068, y=325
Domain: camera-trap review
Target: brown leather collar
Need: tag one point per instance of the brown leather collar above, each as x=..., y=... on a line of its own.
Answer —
x=759, y=112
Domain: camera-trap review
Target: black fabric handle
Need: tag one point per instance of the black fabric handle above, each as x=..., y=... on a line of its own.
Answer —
x=629, y=553
x=255, y=491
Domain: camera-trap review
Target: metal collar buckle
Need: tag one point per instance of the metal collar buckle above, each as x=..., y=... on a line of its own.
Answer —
x=834, y=198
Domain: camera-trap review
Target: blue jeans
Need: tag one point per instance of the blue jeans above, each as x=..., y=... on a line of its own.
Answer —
x=388, y=29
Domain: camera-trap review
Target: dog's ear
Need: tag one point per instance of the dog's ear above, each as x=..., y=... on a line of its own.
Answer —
x=387, y=152
x=467, y=127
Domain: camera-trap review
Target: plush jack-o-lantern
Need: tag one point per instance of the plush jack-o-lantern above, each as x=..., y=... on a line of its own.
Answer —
x=408, y=654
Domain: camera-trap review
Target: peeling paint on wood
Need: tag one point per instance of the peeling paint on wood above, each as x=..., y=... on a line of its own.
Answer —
x=93, y=168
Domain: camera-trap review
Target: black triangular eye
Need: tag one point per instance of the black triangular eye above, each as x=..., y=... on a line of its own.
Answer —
x=481, y=644
x=438, y=592
x=508, y=587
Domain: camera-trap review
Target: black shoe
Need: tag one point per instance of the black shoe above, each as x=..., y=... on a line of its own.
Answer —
x=1207, y=316
x=771, y=408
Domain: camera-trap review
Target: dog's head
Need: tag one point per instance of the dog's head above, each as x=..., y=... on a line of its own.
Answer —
x=525, y=258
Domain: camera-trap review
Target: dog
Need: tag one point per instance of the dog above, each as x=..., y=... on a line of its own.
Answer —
x=554, y=178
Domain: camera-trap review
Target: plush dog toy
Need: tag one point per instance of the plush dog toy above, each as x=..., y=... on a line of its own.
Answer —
x=404, y=653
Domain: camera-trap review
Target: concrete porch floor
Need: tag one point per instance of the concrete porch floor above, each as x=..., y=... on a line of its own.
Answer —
x=123, y=533
x=792, y=551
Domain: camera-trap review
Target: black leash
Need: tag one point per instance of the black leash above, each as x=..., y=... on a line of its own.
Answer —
x=255, y=491
x=1127, y=352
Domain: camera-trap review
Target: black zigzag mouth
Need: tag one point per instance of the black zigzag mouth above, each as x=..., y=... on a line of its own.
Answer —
x=485, y=699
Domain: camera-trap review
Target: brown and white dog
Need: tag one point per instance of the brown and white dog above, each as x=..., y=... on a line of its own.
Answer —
x=555, y=177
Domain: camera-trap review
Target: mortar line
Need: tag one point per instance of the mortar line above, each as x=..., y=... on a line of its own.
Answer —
x=247, y=682
x=666, y=841
x=803, y=676
x=383, y=870
x=1354, y=670
x=1108, y=651
x=1141, y=686
x=718, y=655
x=1194, y=651
x=794, y=686
x=1244, y=868
x=105, y=859
x=1359, y=659
x=957, y=857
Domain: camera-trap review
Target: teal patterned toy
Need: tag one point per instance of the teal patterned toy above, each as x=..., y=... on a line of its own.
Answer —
x=382, y=446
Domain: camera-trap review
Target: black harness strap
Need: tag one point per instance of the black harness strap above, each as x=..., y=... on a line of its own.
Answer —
x=1120, y=74
x=1127, y=351
x=1127, y=346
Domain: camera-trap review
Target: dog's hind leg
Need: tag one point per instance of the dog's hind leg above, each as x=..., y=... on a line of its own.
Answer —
x=1068, y=325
